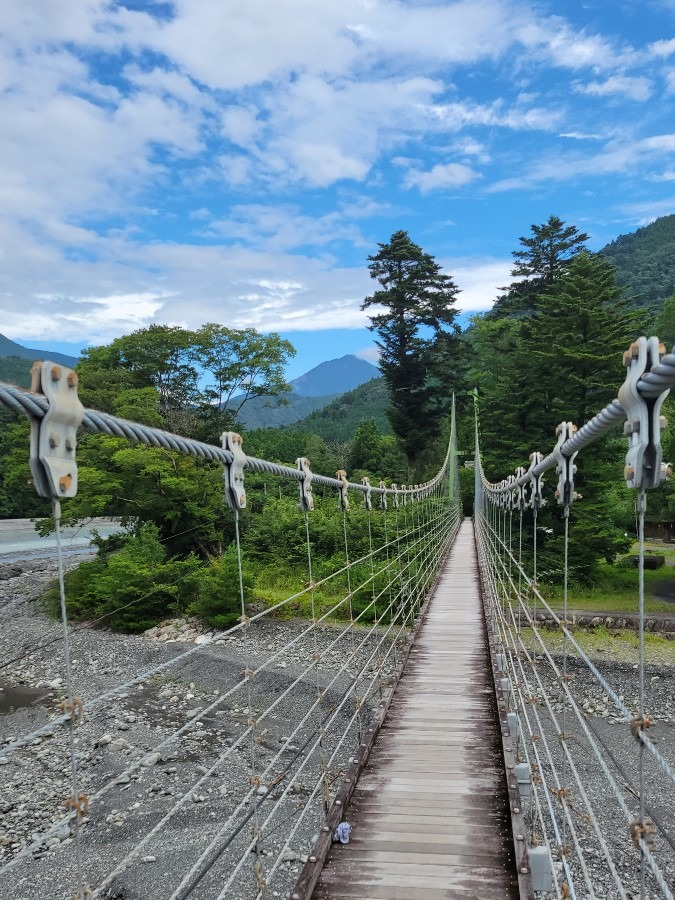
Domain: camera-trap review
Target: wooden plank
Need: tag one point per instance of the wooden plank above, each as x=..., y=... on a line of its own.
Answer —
x=430, y=812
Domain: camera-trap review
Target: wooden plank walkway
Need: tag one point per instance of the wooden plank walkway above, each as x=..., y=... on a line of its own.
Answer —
x=429, y=813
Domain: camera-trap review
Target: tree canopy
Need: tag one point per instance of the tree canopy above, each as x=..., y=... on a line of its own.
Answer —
x=417, y=337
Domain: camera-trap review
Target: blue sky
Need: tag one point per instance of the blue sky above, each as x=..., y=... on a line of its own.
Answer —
x=212, y=160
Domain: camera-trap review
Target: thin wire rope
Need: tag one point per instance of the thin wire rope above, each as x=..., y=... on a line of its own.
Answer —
x=76, y=799
x=519, y=652
x=640, y=842
x=642, y=507
x=228, y=751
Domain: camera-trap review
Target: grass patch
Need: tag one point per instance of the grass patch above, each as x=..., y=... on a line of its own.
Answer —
x=615, y=590
x=620, y=645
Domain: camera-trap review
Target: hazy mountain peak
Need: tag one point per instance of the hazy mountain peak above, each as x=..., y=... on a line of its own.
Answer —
x=335, y=376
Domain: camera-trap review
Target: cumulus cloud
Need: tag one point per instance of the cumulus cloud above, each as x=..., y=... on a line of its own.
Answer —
x=219, y=125
x=441, y=176
x=634, y=87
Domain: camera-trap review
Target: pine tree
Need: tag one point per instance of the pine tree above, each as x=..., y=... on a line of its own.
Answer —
x=418, y=339
x=545, y=257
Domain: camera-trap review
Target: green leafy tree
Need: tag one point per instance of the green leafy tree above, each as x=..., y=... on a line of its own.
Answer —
x=564, y=363
x=418, y=339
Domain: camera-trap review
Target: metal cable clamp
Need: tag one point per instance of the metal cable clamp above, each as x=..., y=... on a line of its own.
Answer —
x=343, y=490
x=404, y=494
x=368, y=496
x=233, y=472
x=565, y=467
x=536, y=501
x=53, y=438
x=383, y=495
x=306, y=497
x=521, y=488
x=394, y=488
x=644, y=467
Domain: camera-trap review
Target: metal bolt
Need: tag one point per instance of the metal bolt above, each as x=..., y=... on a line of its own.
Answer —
x=72, y=379
x=56, y=373
x=70, y=444
x=312, y=859
x=524, y=870
x=65, y=482
x=54, y=440
x=519, y=837
x=516, y=809
x=338, y=802
x=325, y=828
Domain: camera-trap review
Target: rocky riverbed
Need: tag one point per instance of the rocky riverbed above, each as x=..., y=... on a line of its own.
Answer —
x=176, y=739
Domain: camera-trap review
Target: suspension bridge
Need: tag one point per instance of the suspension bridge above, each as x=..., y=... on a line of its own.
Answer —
x=414, y=736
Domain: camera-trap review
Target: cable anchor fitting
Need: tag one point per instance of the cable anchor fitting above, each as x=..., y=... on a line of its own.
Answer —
x=306, y=497
x=343, y=490
x=404, y=494
x=395, y=502
x=367, y=496
x=53, y=438
x=644, y=423
x=383, y=496
x=565, y=467
x=536, y=500
x=520, y=488
x=233, y=472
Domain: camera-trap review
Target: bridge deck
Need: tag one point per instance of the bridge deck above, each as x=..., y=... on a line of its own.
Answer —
x=429, y=813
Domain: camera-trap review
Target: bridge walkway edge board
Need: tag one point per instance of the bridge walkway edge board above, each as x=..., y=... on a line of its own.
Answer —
x=430, y=812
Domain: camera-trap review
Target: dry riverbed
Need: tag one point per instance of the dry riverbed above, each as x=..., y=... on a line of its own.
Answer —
x=126, y=750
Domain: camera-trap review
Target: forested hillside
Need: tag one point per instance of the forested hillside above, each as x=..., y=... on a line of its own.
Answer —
x=340, y=419
x=645, y=262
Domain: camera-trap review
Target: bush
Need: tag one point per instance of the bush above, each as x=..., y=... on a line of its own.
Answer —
x=132, y=588
x=218, y=600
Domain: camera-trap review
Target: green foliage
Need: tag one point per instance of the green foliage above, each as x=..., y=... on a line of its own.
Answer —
x=200, y=380
x=563, y=363
x=15, y=370
x=418, y=339
x=339, y=420
x=645, y=262
x=134, y=587
x=218, y=602
x=17, y=494
x=546, y=256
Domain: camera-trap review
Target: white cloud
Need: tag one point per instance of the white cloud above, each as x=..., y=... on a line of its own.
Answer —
x=479, y=278
x=442, y=175
x=662, y=49
x=633, y=87
x=370, y=354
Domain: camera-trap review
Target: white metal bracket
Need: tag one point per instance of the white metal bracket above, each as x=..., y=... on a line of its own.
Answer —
x=383, y=496
x=536, y=500
x=565, y=467
x=367, y=496
x=404, y=494
x=233, y=472
x=521, y=499
x=343, y=497
x=644, y=466
x=394, y=488
x=306, y=497
x=53, y=438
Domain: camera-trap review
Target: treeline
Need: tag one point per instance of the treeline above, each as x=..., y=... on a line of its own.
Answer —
x=549, y=350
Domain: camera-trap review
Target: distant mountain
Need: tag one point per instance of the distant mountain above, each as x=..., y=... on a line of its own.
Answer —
x=11, y=348
x=311, y=391
x=335, y=377
x=645, y=261
x=340, y=418
x=284, y=409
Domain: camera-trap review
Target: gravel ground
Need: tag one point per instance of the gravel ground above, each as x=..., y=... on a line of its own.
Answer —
x=621, y=751
x=131, y=732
